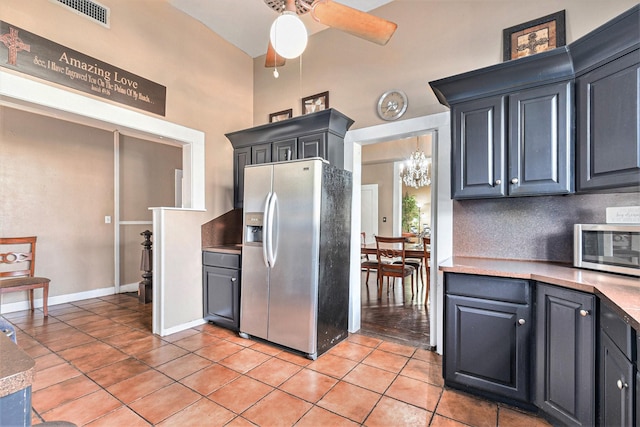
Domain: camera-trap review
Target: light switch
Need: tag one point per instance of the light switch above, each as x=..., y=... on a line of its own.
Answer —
x=107, y=219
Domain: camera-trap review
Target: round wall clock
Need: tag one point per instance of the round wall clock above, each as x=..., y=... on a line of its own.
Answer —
x=392, y=104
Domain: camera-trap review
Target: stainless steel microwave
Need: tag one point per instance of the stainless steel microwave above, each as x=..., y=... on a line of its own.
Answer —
x=607, y=247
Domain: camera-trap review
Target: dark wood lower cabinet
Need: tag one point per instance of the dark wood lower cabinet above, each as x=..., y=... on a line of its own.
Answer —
x=221, y=289
x=488, y=337
x=616, y=385
x=546, y=348
x=565, y=380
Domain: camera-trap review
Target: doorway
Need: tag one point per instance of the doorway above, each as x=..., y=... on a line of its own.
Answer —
x=441, y=207
x=369, y=209
x=400, y=315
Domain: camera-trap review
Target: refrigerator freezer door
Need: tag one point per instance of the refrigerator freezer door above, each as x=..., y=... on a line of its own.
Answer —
x=254, y=304
x=293, y=298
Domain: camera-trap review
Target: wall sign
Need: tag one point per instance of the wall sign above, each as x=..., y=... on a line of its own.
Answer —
x=39, y=57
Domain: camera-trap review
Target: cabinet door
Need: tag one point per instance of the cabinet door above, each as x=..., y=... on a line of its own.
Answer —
x=284, y=150
x=241, y=158
x=637, y=403
x=222, y=296
x=314, y=145
x=616, y=385
x=260, y=153
x=565, y=355
x=487, y=346
x=478, y=148
x=608, y=125
x=541, y=141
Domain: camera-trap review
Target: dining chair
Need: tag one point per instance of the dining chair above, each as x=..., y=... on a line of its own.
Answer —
x=416, y=263
x=426, y=248
x=22, y=278
x=367, y=263
x=391, y=261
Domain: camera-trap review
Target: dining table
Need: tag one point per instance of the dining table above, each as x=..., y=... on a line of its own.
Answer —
x=411, y=250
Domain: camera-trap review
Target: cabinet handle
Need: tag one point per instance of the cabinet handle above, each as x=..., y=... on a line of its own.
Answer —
x=621, y=385
x=584, y=313
x=233, y=279
x=521, y=321
x=514, y=180
x=498, y=181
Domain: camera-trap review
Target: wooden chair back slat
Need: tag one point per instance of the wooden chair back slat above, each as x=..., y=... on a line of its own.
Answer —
x=388, y=251
x=18, y=257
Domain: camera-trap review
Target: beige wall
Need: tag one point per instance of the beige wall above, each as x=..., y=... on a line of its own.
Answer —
x=377, y=168
x=209, y=82
x=147, y=171
x=56, y=182
x=209, y=88
x=146, y=177
x=434, y=39
x=381, y=174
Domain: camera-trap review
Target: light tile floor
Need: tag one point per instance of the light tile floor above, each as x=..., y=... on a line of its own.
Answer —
x=98, y=364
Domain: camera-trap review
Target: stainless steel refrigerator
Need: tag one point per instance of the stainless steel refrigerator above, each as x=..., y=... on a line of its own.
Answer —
x=295, y=255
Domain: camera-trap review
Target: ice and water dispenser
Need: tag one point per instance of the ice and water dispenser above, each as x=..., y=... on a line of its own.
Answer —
x=253, y=222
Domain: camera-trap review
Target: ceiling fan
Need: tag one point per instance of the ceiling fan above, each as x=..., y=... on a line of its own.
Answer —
x=334, y=15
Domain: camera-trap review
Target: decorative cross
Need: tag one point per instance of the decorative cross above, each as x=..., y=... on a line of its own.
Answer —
x=533, y=43
x=14, y=44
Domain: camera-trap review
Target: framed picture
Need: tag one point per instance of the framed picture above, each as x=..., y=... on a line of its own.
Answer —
x=315, y=103
x=281, y=115
x=533, y=37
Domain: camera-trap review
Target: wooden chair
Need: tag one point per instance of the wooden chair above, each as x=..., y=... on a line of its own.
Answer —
x=391, y=261
x=426, y=247
x=13, y=280
x=365, y=262
x=416, y=263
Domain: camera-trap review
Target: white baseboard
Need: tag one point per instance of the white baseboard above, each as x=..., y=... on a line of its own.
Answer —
x=182, y=327
x=129, y=287
x=63, y=299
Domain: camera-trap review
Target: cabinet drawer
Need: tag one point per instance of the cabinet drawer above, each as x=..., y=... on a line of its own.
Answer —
x=495, y=288
x=220, y=259
x=622, y=334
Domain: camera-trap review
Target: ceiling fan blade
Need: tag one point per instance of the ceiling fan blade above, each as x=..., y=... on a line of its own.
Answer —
x=353, y=21
x=273, y=59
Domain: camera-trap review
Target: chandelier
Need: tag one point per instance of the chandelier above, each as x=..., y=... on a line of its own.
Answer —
x=416, y=172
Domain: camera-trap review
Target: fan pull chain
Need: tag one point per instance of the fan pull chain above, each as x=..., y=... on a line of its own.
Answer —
x=300, y=81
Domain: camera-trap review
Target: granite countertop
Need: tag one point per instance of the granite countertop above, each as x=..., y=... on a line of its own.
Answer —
x=235, y=248
x=17, y=368
x=621, y=293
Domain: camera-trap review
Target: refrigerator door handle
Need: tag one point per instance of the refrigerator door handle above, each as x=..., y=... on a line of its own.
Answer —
x=271, y=217
x=265, y=230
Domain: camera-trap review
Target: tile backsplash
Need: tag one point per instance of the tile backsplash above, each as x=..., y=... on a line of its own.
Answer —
x=532, y=228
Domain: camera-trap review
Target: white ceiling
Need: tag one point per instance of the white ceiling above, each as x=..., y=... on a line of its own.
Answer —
x=246, y=23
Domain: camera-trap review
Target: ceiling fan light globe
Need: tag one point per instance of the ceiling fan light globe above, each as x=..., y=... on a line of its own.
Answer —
x=288, y=35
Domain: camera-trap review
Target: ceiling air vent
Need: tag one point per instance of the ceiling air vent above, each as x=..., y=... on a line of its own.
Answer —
x=88, y=8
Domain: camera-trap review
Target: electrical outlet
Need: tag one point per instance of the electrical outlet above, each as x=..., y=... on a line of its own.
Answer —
x=107, y=219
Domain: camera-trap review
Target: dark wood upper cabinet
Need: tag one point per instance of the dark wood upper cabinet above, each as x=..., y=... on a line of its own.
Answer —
x=260, y=153
x=284, y=150
x=478, y=163
x=608, y=138
x=519, y=130
x=541, y=153
x=318, y=134
x=512, y=127
x=241, y=158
